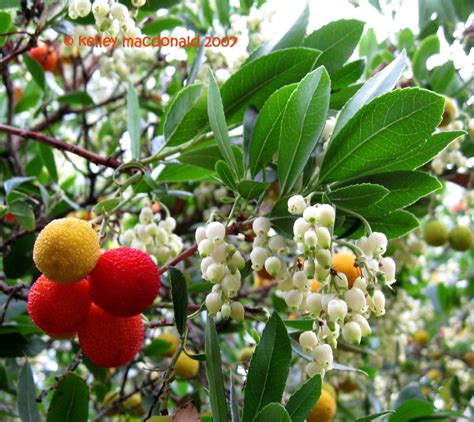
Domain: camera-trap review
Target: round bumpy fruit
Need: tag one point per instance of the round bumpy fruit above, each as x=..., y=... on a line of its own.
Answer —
x=173, y=342
x=132, y=405
x=46, y=57
x=435, y=233
x=58, y=309
x=124, y=282
x=460, y=238
x=245, y=354
x=346, y=263
x=449, y=113
x=160, y=419
x=422, y=337
x=66, y=250
x=324, y=410
x=110, y=341
x=186, y=367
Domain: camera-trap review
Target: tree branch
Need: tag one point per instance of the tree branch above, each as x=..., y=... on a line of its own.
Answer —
x=64, y=146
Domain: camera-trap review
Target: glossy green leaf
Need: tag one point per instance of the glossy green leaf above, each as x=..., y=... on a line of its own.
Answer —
x=179, y=294
x=24, y=214
x=107, y=205
x=383, y=130
x=207, y=155
x=445, y=79
x=411, y=410
x=133, y=120
x=405, y=188
x=160, y=25
x=302, y=123
x=381, y=83
x=358, y=197
x=348, y=74
x=216, y=387
x=250, y=119
x=179, y=109
x=70, y=401
x=183, y=173
x=36, y=71
x=428, y=47
x=395, y=224
x=226, y=174
x=5, y=22
x=26, y=395
x=340, y=98
x=268, y=369
x=337, y=41
x=47, y=157
x=218, y=123
x=265, y=137
x=303, y=400
x=251, y=190
x=76, y=98
x=273, y=412
x=223, y=12
x=374, y=416
x=10, y=4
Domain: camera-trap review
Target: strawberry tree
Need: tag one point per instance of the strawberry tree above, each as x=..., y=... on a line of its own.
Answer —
x=239, y=229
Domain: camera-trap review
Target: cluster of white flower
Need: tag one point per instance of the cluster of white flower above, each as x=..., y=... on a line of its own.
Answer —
x=342, y=303
x=111, y=17
x=221, y=264
x=409, y=251
x=158, y=240
x=452, y=155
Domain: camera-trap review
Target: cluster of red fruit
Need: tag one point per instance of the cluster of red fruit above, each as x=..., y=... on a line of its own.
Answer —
x=99, y=296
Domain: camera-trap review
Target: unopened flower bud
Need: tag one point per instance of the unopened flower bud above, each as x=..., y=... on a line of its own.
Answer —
x=261, y=226
x=236, y=262
x=219, y=252
x=225, y=311
x=215, y=273
x=119, y=11
x=324, y=237
x=377, y=303
x=300, y=280
x=308, y=341
x=310, y=240
x=277, y=244
x=82, y=7
x=313, y=368
x=321, y=273
x=205, y=248
x=215, y=231
x=299, y=229
x=387, y=265
x=200, y=234
x=310, y=214
x=324, y=258
x=355, y=299
x=327, y=215
x=258, y=257
x=351, y=332
x=314, y=304
x=341, y=280
x=146, y=214
x=273, y=265
x=337, y=310
x=296, y=205
x=309, y=267
x=361, y=284
x=213, y=303
x=323, y=356
x=293, y=299
x=231, y=284
x=237, y=312
x=205, y=264
x=363, y=324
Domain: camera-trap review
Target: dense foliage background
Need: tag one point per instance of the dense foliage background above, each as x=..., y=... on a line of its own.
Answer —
x=217, y=133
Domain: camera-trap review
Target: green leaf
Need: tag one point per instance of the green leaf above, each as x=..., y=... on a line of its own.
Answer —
x=395, y=224
x=264, y=142
x=374, y=416
x=26, y=395
x=348, y=74
x=214, y=374
x=411, y=410
x=369, y=48
x=257, y=80
x=24, y=214
x=274, y=412
x=405, y=188
x=341, y=97
x=250, y=118
x=223, y=9
x=268, y=369
x=180, y=108
x=133, y=120
x=70, y=402
x=251, y=190
x=428, y=47
x=78, y=97
x=295, y=35
x=160, y=25
x=183, y=173
x=303, y=400
x=10, y=4
x=36, y=71
x=380, y=132
x=105, y=206
x=302, y=123
x=156, y=347
x=179, y=294
x=206, y=156
x=445, y=79
x=226, y=174
x=47, y=158
x=379, y=84
x=5, y=22
x=301, y=324
x=358, y=197
x=218, y=124
x=337, y=41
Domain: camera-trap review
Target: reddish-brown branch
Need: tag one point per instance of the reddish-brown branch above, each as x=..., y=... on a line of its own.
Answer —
x=14, y=291
x=63, y=146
